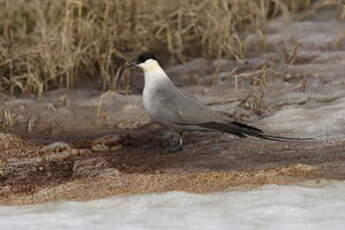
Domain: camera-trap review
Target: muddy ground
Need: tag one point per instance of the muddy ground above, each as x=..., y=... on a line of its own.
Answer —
x=84, y=144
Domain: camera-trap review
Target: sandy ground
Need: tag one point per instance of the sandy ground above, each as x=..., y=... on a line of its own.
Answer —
x=84, y=144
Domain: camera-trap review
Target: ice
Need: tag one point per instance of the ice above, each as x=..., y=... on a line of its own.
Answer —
x=268, y=207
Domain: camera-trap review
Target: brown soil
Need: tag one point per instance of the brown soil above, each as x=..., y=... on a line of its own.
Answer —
x=209, y=162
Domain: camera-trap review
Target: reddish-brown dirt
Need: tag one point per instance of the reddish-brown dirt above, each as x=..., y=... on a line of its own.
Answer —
x=209, y=162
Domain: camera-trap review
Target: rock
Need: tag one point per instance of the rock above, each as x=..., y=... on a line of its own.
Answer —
x=61, y=102
x=107, y=143
x=311, y=35
x=188, y=73
x=92, y=167
x=55, y=147
x=323, y=122
x=99, y=147
x=56, y=156
x=223, y=65
x=125, y=112
x=56, y=151
x=293, y=98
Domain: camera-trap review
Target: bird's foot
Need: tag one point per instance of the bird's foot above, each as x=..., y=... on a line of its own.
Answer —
x=176, y=144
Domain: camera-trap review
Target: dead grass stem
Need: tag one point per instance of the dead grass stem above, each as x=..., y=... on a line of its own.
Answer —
x=50, y=44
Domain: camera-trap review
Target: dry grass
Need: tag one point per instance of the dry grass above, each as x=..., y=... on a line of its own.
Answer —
x=51, y=44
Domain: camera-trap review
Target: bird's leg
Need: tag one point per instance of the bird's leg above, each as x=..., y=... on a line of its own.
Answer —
x=175, y=143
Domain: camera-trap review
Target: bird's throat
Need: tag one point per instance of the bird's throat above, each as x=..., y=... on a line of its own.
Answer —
x=154, y=77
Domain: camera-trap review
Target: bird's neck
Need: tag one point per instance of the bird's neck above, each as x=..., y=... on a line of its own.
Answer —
x=154, y=75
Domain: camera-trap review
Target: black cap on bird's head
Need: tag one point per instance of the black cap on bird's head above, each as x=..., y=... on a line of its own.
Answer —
x=142, y=58
x=146, y=56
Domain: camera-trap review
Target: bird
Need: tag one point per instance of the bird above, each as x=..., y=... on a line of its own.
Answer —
x=180, y=112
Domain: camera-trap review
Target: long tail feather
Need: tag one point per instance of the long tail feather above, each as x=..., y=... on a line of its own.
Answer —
x=243, y=131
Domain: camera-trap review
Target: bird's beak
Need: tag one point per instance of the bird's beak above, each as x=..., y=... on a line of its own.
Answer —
x=132, y=64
